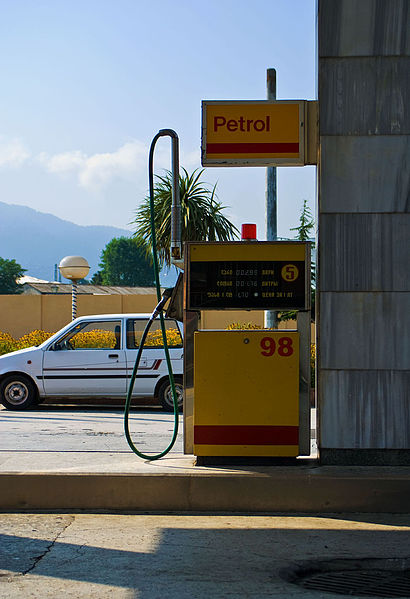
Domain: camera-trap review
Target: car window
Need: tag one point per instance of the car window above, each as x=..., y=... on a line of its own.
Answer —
x=135, y=329
x=92, y=335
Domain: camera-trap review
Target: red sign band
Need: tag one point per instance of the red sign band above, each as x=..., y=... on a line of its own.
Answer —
x=246, y=435
x=252, y=148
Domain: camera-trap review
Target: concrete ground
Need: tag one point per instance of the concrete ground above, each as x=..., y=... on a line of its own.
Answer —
x=78, y=459
x=76, y=430
x=84, y=517
x=189, y=556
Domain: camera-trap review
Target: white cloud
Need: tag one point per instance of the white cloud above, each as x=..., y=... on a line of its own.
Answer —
x=64, y=163
x=95, y=171
x=13, y=153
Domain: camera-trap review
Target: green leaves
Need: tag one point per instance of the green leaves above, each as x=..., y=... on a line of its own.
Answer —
x=306, y=223
x=10, y=271
x=124, y=263
x=202, y=216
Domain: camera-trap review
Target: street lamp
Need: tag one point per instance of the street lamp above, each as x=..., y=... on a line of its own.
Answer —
x=74, y=268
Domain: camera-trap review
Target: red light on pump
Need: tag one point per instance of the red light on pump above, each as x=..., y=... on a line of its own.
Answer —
x=249, y=232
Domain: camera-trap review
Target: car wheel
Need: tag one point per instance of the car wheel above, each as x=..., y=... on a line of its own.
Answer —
x=17, y=392
x=165, y=395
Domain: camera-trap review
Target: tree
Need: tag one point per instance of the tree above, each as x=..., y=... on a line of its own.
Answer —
x=10, y=271
x=124, y=263
x=306, y=223
x=97, y=278
x=201, y=215
x=304, y=232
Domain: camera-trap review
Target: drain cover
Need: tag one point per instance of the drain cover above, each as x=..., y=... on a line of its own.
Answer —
x=359, y=578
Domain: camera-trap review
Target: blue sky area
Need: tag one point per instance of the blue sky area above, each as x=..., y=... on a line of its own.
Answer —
x=87, y=84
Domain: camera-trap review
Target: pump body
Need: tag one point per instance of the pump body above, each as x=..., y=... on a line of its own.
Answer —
x=246, y=393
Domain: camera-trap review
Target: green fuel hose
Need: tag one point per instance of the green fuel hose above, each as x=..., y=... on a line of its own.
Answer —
x=158, y=311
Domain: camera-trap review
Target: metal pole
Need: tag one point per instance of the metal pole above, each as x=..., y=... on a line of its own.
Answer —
x=73, y=299
x=176, y=242
x=271, y=194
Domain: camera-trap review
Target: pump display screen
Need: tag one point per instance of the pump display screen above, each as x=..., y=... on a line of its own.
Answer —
x=247, y=284
x=263, y=275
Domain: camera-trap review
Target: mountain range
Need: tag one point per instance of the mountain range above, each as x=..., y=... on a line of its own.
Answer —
x=38, y=241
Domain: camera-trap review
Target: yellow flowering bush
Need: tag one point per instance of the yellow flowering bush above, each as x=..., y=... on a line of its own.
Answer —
x=7, y=343
x=154, y=338
x=98, y=338
x=34, y=338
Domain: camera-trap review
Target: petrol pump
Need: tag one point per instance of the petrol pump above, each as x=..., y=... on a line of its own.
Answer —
x=246, y=391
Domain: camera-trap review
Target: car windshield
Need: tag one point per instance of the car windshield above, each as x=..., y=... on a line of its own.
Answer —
x=92, y=335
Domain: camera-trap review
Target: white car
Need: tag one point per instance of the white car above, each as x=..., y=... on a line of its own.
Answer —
x=94, y=356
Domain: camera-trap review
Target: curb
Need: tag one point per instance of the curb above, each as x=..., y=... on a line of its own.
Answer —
x=285, y=490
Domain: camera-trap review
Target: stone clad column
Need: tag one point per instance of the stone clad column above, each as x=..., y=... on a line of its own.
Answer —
x=364, y=231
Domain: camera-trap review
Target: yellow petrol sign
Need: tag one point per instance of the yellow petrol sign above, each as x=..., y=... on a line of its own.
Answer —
x=254, y=133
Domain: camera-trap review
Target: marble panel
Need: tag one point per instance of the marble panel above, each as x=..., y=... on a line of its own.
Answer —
x=364, y=252
x=364, y=96
x=365, y=409
x=365, y=330
x=365, y=174
x=364, y=27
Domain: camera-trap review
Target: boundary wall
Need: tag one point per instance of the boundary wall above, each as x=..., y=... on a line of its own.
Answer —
x=21, y=314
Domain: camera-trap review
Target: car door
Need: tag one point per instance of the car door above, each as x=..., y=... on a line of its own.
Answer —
x=88, y=360
x=153, y=363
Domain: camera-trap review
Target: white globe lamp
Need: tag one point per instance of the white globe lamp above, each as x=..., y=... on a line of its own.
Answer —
x=74, y=268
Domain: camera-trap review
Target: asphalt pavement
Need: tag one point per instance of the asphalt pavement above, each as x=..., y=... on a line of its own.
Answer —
x=197, y=556
x=79, y=430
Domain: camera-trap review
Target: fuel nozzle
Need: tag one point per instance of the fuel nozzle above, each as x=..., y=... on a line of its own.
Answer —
x=166, y=294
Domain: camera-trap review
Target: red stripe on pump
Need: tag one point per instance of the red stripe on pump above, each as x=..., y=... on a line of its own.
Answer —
x=246, y=435
x=252, y=148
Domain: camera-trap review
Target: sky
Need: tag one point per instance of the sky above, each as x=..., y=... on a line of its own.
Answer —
x=86, y=84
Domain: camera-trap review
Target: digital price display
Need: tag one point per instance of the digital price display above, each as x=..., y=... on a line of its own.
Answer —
x=265, y=275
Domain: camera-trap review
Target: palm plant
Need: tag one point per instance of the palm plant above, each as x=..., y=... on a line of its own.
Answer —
x=201, y=215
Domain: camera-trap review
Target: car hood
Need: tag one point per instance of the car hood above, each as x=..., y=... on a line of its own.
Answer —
x=26, y=350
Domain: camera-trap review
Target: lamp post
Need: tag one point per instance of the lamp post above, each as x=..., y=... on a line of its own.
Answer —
x=74, y=268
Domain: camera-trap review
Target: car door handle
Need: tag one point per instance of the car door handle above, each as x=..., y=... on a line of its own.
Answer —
x=113, y=355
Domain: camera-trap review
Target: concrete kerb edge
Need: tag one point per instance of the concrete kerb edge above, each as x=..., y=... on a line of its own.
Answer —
x=281, y=492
